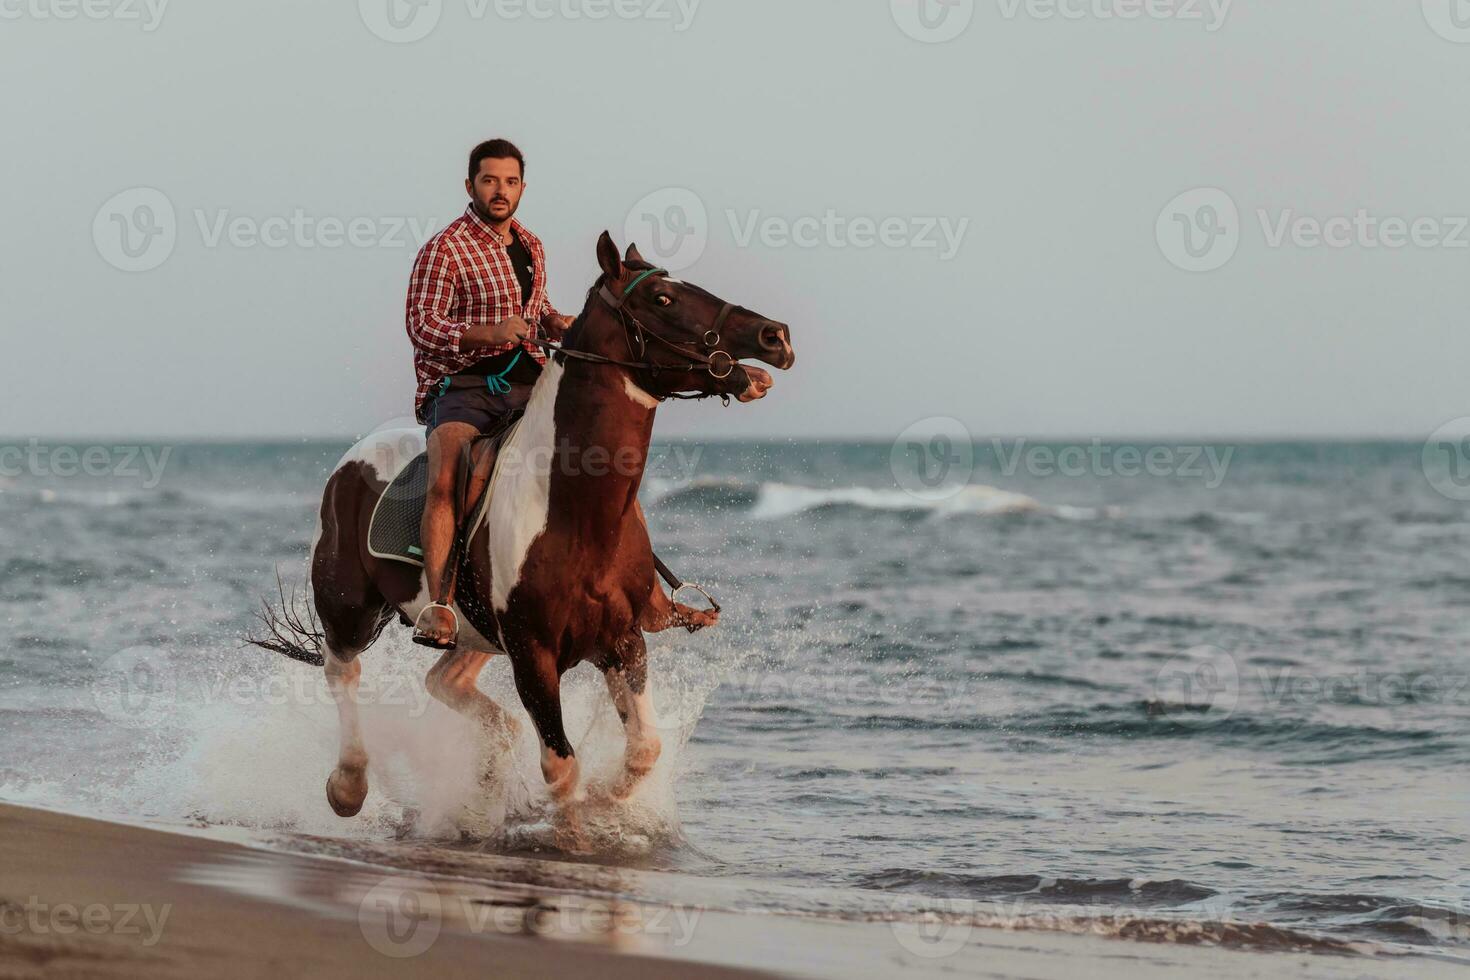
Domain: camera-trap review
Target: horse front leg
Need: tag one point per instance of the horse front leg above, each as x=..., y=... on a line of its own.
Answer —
x=627, y=682
x=539, y=684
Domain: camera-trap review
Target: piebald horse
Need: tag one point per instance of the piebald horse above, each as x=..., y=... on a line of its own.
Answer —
x=561, y=570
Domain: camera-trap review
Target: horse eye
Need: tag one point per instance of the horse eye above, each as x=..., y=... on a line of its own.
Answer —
x=664, y=301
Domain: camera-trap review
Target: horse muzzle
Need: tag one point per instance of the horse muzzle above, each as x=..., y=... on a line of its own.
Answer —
x=774, y=340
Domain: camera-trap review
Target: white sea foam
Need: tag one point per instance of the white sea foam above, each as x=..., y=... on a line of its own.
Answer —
x=784, y=499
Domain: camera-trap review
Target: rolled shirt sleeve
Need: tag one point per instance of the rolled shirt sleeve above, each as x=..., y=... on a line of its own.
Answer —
x=547, y=311
x=430, y=300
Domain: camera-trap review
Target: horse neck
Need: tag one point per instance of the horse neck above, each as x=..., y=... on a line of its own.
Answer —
x=600, y=423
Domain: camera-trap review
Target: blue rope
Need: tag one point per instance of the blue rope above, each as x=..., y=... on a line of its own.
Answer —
x=497, y=383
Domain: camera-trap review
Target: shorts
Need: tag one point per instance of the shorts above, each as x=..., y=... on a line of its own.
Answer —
x=479, y=407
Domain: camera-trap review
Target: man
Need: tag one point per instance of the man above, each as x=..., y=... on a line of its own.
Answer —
x=476, y=299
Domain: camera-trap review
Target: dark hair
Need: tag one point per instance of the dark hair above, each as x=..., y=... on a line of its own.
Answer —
x=495, y=150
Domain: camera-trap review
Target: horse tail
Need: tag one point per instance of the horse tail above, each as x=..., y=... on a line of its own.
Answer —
x=290, y=627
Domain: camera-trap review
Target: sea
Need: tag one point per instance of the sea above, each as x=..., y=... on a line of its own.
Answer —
x=1213, y=693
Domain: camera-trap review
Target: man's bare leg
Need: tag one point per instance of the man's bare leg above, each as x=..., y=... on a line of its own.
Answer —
x=436, y=627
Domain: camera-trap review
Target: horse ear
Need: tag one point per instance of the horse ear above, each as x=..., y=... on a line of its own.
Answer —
x=607, y=257
x=632, y=255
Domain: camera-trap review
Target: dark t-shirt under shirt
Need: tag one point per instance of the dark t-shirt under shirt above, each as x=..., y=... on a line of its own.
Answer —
x=526, y=370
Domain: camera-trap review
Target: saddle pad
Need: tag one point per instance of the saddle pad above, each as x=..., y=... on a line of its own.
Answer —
x=393, y=532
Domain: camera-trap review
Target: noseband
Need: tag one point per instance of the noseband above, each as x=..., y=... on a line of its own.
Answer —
x=718, y=362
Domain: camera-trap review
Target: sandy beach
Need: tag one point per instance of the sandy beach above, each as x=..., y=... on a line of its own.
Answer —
x=86, y=898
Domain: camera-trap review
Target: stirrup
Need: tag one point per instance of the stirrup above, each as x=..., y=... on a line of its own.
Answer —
x=674, y=597
x=422, y=640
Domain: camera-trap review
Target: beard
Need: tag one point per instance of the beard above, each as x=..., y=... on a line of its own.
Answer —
x=487, y=212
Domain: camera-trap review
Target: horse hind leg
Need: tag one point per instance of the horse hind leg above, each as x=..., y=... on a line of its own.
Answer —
x=454, y=683
x=347, y=635
x=347, y=786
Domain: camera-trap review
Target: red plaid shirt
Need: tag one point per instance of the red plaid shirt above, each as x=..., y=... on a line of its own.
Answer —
x=463, y=277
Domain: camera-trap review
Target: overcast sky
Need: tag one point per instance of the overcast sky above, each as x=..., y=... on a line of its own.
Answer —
x=210, y=209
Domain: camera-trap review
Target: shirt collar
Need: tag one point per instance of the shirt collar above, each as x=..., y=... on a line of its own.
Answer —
x=483, y=227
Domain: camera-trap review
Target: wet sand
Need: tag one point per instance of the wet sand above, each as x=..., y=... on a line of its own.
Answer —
x=85, y=898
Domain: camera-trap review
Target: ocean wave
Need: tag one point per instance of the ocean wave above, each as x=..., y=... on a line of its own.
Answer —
x=770, y=500
x=1180, y=911
x=1138, y=892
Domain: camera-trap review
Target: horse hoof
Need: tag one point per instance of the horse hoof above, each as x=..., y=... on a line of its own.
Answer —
x=347, y=803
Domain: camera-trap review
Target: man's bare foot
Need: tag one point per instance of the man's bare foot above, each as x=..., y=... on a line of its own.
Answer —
x=437, y=627
x=693, y=619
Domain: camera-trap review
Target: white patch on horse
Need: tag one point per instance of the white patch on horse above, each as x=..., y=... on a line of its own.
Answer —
x=387, y=452
x=521, y=492
x=638, y=394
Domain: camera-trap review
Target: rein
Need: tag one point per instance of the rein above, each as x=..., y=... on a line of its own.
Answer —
x=633, y=327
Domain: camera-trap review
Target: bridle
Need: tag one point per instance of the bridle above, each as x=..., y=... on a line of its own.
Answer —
x=718, y=362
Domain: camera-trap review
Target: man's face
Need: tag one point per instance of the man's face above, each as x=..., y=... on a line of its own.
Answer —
x=496, y=189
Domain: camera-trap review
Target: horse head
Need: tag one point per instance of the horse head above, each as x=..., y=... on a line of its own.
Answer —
x=675, y=337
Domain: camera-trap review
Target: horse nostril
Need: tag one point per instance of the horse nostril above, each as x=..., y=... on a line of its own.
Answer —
x=773, y=336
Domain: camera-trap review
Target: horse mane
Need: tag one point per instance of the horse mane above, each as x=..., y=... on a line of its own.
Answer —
x=571, y=340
